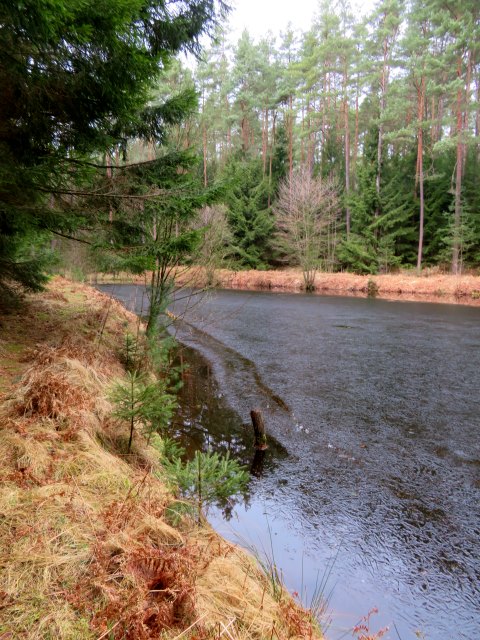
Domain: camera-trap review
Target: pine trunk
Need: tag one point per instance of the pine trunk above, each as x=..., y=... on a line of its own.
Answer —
x=421, y=101
x=346, y=125
x=290, y=136
x=204, y=142
x=383, y=91
x=456, y=266
x=264, y=140
x=205, y=177
x=355, y=143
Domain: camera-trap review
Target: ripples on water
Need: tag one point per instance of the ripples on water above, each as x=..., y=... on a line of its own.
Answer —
x=374, y=408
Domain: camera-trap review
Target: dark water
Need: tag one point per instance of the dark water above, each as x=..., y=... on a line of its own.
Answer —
x=373, y=477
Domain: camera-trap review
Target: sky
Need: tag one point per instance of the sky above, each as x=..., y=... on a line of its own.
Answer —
x=260, y=16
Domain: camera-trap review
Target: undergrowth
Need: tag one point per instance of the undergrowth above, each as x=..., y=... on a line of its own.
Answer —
x=87, y=549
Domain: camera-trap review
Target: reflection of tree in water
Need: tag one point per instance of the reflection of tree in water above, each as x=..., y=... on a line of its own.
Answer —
x=205, y=422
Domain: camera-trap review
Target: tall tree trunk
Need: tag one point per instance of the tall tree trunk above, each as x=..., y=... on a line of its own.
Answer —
x=346, y=125
x=205, y=176
x=290, y=136
x=468, y=82
x=302, y=145
x=272, y=146
x=244, y=128
x=457, y=221
x=229, y=128
x=383, y=86
x=347, y=168
x=421, y=102
x=204, y=140
x=310, y=146
x=265, y=140
x=325, y=107
x=355, y=143
x=387, y=46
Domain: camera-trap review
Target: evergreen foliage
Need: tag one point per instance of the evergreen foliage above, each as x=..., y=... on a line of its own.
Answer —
x=143, y=403
x=206, y=479
x=250, y=220
x=75, y=80
x=388, y=106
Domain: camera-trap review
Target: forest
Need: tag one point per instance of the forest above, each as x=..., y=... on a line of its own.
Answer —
x=351, y=147
x=387, y=107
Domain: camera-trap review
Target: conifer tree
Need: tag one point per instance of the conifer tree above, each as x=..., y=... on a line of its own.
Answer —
x=75, y=81
x=249, y=218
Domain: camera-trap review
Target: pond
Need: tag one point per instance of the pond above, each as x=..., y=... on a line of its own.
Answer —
x=370, y=489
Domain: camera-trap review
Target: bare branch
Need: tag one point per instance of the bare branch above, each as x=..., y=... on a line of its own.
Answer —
x=306, y=208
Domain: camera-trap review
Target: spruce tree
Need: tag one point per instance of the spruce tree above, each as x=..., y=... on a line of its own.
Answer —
x=250, y=220
x=75, y=81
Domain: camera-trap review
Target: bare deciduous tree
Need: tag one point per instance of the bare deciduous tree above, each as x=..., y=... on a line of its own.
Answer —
x=306, y=209
x=215, y=240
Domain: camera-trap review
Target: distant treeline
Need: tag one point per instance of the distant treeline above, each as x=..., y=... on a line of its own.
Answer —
x=388, y=106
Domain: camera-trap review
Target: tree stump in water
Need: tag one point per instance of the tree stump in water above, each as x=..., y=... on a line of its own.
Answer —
x=256, y=468
x=259, y=429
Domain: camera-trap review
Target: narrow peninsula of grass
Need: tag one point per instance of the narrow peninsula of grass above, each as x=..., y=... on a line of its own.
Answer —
x=87, y=551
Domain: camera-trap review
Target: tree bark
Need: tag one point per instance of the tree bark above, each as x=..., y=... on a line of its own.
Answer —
x=456, y=266
x=204, y=140
x=347, y=153
x=266, y=141
x=259, y=429
x=421, y=101
x=290, y=136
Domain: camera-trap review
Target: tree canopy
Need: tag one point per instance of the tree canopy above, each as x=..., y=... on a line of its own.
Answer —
x=75, y=80
x=386, y=104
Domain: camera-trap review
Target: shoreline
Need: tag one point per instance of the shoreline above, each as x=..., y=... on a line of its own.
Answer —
x=404, y=286
x=94, y=549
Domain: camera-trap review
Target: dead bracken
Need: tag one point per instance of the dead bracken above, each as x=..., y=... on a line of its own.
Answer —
x=87, y=551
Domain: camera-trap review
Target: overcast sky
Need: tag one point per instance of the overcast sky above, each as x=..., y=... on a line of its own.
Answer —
x=260, y=16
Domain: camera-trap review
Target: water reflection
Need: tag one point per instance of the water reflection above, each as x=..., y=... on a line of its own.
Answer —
x=205, y=422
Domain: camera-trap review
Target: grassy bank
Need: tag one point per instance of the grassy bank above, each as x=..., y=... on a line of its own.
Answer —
x=87, y=548
x=430, y=286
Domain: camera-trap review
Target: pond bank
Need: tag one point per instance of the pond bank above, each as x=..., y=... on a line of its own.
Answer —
x=428, y=287
x=406, y=285
x=91, y=551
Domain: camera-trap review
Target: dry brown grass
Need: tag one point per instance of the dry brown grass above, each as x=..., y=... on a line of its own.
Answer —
x=233, y=593
x=431, y=286
x=86, y=551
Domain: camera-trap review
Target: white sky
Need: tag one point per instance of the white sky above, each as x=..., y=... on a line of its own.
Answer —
x=261, y=16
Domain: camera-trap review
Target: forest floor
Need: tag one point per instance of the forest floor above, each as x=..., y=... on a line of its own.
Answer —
x=430, y=286
x=87, y=549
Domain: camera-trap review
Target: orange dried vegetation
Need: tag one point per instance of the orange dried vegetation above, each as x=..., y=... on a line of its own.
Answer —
x=430, y=286
x=85, y=549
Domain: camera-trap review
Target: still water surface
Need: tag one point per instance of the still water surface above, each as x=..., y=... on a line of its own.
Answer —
x=372, y=482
